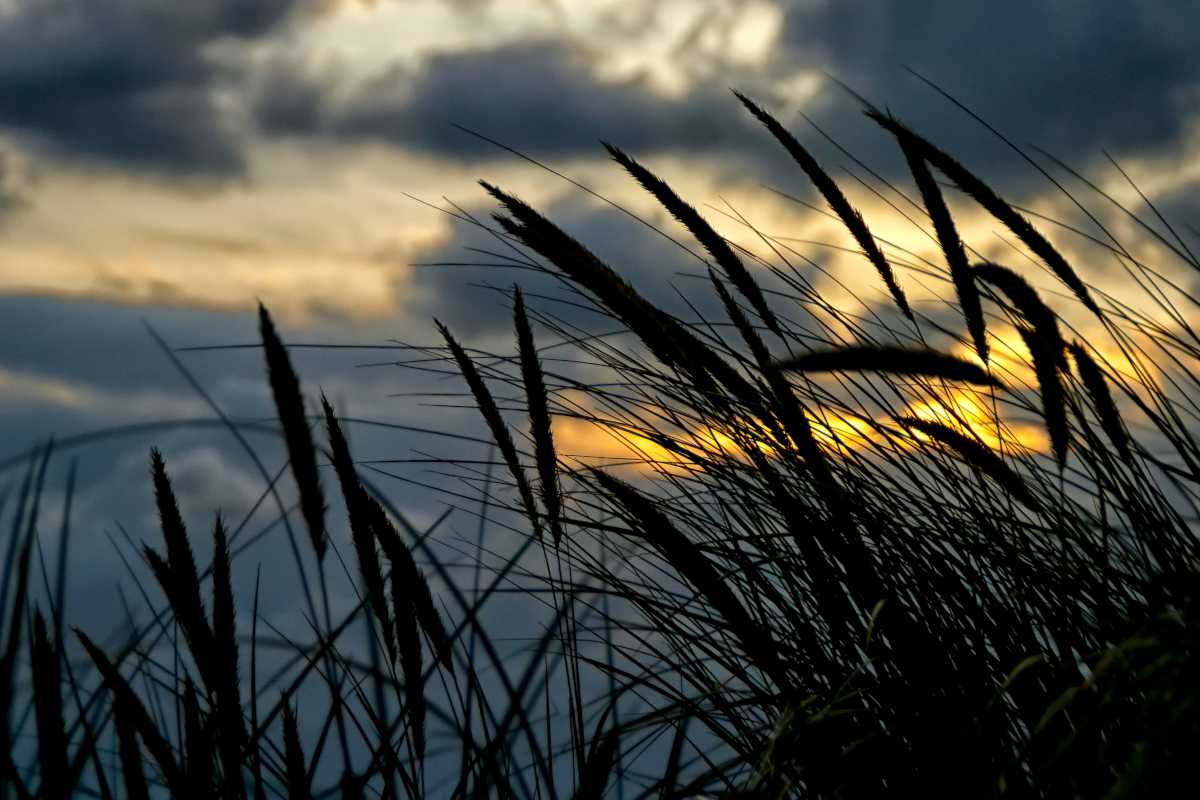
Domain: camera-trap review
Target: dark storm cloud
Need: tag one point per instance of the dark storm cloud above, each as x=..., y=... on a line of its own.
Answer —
x=537, y=96
x=1072, y=76
x=125, y=81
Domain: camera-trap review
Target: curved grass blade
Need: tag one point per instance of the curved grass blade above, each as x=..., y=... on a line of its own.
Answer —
x=977, y=455
x=1054, y=397
x=917, y=362
x=1102, y=400
x=1026, y=300
x=993, y=203
x=850, y=217
x=952, y=248
x=713, y=242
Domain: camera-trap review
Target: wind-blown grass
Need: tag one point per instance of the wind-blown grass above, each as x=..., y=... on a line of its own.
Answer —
x=817, y=574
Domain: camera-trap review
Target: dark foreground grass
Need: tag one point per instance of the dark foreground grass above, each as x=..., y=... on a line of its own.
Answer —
x=800, y=585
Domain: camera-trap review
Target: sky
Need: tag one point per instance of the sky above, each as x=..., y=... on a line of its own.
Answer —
x=167, y=166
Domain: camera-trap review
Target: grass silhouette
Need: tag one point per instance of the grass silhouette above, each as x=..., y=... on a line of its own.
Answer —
x=815, y=575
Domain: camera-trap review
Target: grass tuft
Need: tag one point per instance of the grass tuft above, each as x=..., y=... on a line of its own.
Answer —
x=178, y=576
x=296, y=774
x=1026, y=300
x=876, y=582
x=977, y=455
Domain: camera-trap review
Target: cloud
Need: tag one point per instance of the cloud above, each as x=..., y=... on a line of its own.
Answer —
x=1073, y=77
x=540, y=96
x=17, y=178
x=127, y=82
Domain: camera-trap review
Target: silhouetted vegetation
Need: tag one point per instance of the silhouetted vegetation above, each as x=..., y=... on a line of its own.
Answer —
x=834, y=563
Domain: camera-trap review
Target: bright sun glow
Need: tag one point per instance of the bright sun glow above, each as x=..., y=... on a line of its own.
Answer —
x=597, y=441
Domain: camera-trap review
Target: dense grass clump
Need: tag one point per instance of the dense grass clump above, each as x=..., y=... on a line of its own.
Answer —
x=838, y=561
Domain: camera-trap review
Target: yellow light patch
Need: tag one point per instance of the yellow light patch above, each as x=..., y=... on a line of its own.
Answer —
x=970, y=413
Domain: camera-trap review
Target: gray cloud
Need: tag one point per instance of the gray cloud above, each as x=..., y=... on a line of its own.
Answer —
x=126, y=81
x=538, y=96
x=107, y=346
x=16, y=179
x=1072, y=76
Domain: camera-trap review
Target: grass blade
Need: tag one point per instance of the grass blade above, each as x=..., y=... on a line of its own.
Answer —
x=850, y=217
x=993, y=203
x=915, y=362
x=495, y=423
x=1102, y=400
x=289, y=403
x=713, y=242
x=539, y=417
x=357, y=506
x=47, y=699
x=977, y=455
x=952, y=248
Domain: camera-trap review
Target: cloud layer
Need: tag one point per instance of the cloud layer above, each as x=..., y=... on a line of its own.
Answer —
x=127, y=82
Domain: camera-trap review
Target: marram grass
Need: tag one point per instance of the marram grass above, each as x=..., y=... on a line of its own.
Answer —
x=829, y=566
